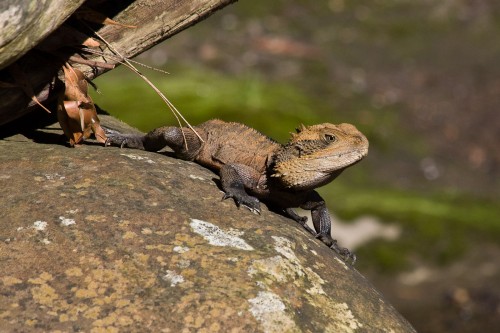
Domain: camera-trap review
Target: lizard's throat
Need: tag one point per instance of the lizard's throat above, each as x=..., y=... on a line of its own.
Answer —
x=307, y=180
x=310, y=173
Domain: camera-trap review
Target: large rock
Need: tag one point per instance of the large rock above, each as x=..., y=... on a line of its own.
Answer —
x=106, y=239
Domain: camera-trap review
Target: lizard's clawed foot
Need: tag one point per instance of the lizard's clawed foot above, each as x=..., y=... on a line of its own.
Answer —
x=116, y=141
x=344, y=252
x=346, y=255
x=251, y=203
x=115, y=138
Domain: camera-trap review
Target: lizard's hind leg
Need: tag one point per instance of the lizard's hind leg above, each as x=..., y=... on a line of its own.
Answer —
x=162, y=137
x=158, y=139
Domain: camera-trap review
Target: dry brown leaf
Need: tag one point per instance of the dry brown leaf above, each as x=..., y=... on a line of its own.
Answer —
x=88, y=14
x=75, y=109
x=91, y=42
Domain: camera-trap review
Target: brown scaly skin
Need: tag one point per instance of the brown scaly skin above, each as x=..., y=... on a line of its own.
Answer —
x=253, y=167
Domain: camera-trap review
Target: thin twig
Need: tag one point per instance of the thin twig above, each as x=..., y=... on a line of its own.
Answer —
x=91, y=63
x=117, y=59
x=172, y=108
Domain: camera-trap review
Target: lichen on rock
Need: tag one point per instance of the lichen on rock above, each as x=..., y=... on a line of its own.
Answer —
x=152, y=248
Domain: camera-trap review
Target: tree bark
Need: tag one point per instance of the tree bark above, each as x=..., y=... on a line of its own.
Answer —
x=38, y=37
x=26, y=22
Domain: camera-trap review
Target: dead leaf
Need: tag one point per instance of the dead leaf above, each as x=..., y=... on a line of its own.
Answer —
x=88, y=14
x=75, y=109
x=91, y=42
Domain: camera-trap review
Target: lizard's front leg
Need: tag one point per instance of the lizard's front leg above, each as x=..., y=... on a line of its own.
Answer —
x=235, y=178
x=323, y=225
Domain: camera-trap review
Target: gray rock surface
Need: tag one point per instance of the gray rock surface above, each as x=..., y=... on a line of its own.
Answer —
x=101, y=239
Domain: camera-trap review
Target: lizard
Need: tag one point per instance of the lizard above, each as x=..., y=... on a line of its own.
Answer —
x=253, y=167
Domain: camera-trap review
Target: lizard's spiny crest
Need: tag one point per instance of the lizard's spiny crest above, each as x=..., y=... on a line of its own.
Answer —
x=300, y=128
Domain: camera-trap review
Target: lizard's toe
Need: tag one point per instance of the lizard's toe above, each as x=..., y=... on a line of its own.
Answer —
x=328, y=240
x=109, y=131
x=117, y=139
x=348, y=256
x=256, y=211
x=226, y=196
x=353, y=258
x=251, y=203
x=303, y=220
x=344, y=253
x=113, y=138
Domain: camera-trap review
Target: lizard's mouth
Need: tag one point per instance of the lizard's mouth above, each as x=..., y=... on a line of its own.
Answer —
x=309, y=172
x=333, y=163
x=345, y=158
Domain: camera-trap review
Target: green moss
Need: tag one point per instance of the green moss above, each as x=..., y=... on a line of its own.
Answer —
x=438, y=226
x=273, y=108
x=386, y=257
x=389, y=36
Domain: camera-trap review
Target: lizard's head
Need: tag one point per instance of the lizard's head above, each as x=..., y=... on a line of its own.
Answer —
x=317, y=154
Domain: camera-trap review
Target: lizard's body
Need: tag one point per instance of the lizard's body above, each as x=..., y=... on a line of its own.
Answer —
x=253, y=167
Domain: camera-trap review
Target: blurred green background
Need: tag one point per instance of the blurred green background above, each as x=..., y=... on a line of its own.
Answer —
x=420, y=78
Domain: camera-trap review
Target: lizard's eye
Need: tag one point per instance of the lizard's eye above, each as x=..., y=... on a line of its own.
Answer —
x=330, y=138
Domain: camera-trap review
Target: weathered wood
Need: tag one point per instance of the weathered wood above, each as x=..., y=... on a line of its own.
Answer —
x=156, y=20
x=26, y=22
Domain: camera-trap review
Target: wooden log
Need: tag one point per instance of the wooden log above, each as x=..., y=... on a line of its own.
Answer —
x=154, y=21
x=26, y=22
